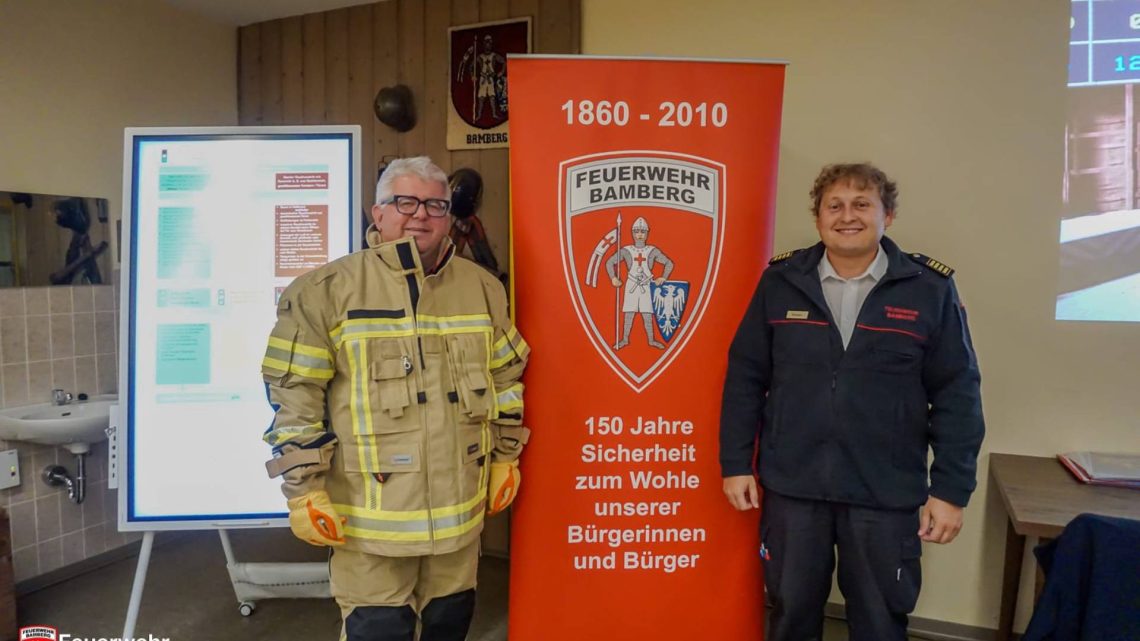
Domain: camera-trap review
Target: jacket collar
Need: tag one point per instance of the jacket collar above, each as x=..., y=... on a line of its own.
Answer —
x=401, y=254
x=898, y=264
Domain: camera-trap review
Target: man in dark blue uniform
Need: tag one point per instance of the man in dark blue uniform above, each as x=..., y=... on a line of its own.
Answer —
x=852, y=360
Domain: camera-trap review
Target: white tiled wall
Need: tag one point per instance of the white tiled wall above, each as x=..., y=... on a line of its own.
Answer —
x=58, y=337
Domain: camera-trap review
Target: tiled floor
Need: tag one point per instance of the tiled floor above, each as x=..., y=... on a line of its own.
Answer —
x=188, y=596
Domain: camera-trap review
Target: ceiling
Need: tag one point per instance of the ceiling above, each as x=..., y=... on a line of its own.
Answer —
x=243, y=12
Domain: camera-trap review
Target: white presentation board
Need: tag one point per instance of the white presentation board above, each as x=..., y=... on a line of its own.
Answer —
x=216, y=223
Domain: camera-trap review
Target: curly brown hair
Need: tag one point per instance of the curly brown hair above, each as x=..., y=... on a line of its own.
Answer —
x=860, y=175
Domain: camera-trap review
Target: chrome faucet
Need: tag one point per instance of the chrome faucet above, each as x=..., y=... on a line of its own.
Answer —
x=60, y=397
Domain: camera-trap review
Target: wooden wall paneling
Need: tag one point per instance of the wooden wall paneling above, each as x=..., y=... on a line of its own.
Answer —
x=313, y=70
x=292, y=64
x=575, y=27
x=463, y=11
x=385, y=73
x=437, y=18
x=552, y=26
x=325, y=68
x=520, y=8
x=249, y=76
x=336, y=67
x=411, y=71
x=360, y=91
x=271, y=108
x=494, y=10
x=495, y=210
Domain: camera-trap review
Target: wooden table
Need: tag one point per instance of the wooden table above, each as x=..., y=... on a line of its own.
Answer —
x=1041, y=497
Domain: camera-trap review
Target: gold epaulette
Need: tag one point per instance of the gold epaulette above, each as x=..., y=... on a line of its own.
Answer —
x=940, y=268
x=784, y=256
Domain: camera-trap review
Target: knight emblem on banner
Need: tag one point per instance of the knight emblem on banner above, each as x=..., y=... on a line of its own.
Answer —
x=641, y=238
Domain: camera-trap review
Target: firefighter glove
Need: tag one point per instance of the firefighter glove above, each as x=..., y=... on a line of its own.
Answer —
x=503, y=486
x=313, y=519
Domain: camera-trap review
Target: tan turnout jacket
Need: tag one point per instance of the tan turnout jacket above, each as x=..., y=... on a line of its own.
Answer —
x=400, y=388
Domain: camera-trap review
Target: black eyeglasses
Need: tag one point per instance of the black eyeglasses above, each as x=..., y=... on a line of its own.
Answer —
x=407, y=205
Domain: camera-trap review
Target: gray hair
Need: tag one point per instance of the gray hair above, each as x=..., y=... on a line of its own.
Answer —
x=421, y=167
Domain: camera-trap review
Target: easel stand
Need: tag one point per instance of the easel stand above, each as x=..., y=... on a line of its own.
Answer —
x=251, y=581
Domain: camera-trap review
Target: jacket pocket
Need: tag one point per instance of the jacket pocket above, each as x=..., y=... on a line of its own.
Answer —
x=468, y=361
x=903, y=586
x=473, y=442
x=896, y=353
x=279, y=352
x=391, y=467
x=390, y=376
x=389, y=371
x=389, y=454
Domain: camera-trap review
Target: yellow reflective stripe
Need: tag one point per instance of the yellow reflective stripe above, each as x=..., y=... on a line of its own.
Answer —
x=383, y=515
x=458, y=322
x=377, y=490
x=510, y=398
x=484, y=476
x=465, y=525
x=456, y=319
x=360, y=409
x=280, y=434
x=311, y=372
x=456, y=509
x=508, y=345
x=407, y=515
x=285, y=356
x=463, y=528
x=274, y=365
x=292, y=346
x=384, y=525
x=363, y=335
x=380, y=535
x=370, y=328
x=361, y=328
x=498, y=361
x=522, y=348
x=501, y=352
x=278, y=366
x=448, y=331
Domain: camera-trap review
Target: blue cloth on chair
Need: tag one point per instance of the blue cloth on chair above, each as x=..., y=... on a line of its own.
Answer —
x=1092, y=582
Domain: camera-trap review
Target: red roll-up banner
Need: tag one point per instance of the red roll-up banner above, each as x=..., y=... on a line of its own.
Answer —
x=642, y=208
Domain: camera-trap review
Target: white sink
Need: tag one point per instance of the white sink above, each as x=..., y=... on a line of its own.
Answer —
x=74, y=426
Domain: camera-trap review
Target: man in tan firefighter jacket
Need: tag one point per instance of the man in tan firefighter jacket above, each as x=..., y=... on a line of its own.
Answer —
x=394, y=374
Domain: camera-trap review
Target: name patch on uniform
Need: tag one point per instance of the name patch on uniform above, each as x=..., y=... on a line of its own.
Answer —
x=474, y=447
x=795, y=314
x=402, y=459
x=901, y=313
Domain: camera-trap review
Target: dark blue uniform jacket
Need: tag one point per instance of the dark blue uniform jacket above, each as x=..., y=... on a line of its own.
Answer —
x=1092, y=583
x=854, y=425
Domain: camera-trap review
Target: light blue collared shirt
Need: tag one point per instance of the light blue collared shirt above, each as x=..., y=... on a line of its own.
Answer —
x=845, y=296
